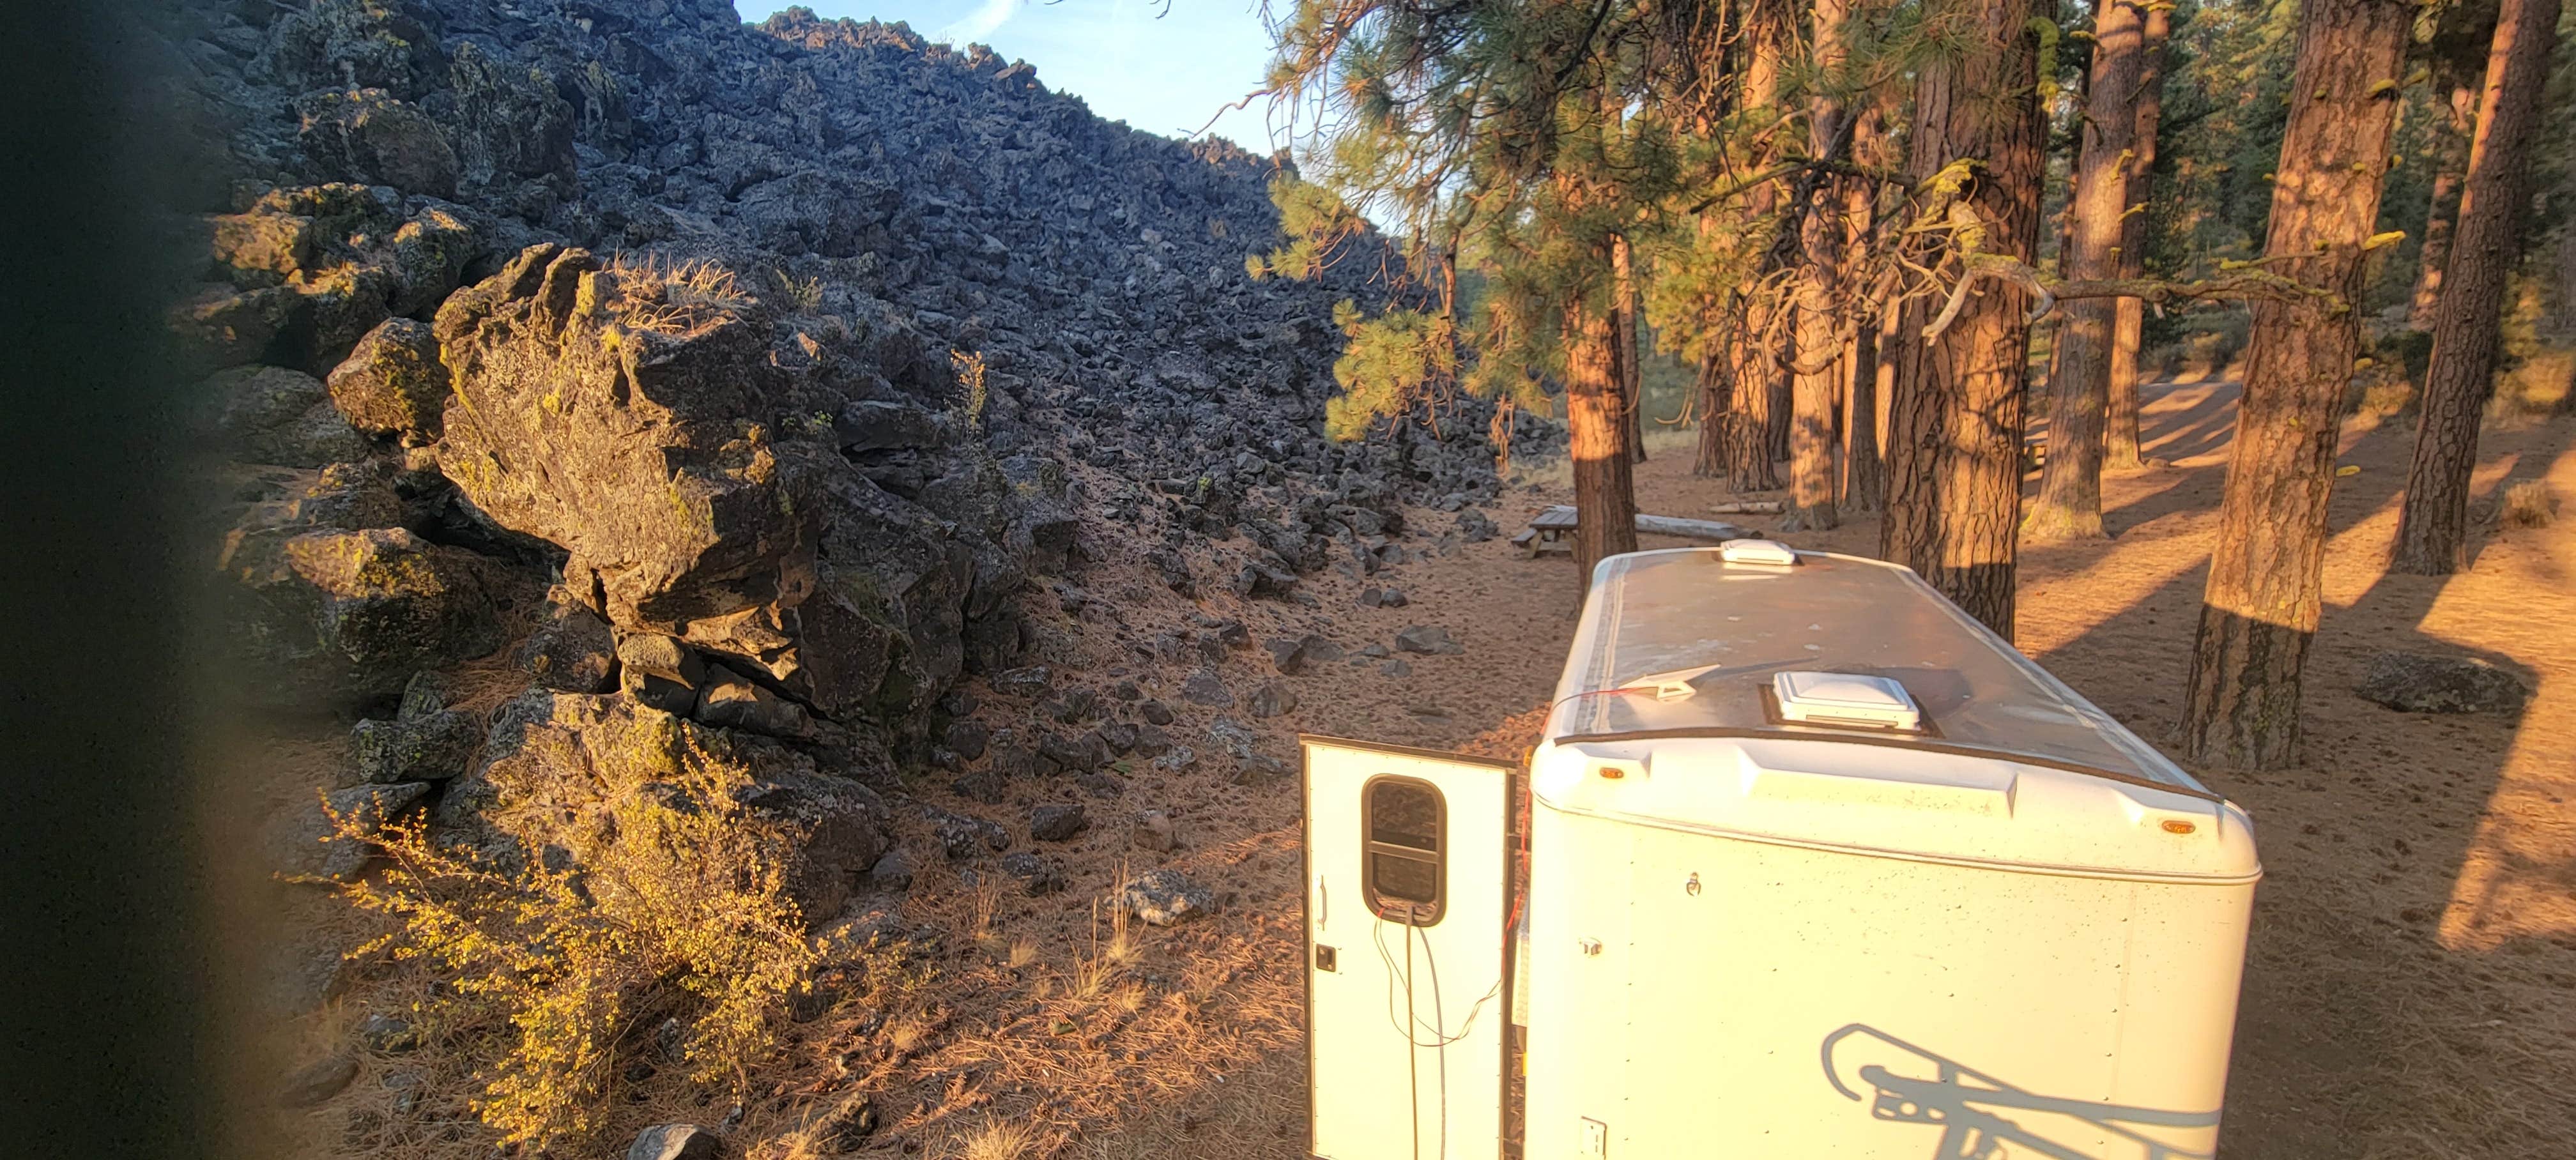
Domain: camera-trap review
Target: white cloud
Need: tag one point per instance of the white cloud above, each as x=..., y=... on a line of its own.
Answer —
x=980, y=23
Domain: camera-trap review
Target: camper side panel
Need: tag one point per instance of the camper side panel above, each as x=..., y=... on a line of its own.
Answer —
x=1795, y=1002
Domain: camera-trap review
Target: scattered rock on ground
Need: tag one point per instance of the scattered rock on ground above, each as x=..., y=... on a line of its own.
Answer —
x=1165, y=898
x=1057, y=822
x=2425, y=683
x=892, y=873
x=1428, y=639
x=1156, y=831
x=1272, y=699
x=319, y=1080
x=675, y=1142
x=1206, y=688
x=1036, y=873
x=962, y=837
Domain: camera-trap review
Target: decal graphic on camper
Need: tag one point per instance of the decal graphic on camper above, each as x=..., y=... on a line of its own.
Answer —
x=1969, y=1107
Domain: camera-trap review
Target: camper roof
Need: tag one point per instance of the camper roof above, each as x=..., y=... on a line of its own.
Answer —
x=1688, y=641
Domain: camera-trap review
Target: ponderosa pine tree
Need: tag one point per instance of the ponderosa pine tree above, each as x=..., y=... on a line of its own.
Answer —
x=1820, y=370
x=1759, y=384
x=2069, y=503
x=2463, y=38
x=1504, y=125
x=2128, y=321
x=2432, y=529
x=2259, y=610
x=1955, y=415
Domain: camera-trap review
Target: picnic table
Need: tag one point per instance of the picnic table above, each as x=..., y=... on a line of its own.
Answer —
x=1550, y=530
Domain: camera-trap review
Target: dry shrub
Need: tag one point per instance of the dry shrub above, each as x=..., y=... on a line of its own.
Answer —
x=969, y=366
x=2541, y=382
x=806, y=293
x=675, y=297
x=2529, y=504
x=553, y=972
x=997, y=1139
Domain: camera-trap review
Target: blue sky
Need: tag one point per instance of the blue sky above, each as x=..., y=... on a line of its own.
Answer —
x=1165, y=74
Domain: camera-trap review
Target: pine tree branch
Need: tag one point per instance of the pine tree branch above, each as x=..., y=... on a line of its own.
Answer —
x=2244, y=285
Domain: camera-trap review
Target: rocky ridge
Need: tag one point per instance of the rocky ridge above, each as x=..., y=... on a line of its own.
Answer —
x=737, y=380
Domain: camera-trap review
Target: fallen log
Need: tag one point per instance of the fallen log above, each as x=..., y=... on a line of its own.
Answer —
x=1749, y=507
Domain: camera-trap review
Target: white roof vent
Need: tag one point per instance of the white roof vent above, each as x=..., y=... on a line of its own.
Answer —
x=1846, y=699
x=1756, y=552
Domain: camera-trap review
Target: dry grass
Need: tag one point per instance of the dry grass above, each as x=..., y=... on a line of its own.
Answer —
x=672, y=296
x=997, y=1139
x=2528, y=504
x=2543, y=382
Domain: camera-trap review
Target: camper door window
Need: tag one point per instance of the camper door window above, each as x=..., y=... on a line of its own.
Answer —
x=1402, y=867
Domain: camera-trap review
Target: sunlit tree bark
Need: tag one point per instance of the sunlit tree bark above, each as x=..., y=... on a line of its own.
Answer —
x=2069, y=504
x=1820, y=370
x=2128, y=324
x=2259, y=610
x=2432, y=530
x=1955, y=417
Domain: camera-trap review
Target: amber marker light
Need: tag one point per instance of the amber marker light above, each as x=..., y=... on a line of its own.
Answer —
x=2179, y=826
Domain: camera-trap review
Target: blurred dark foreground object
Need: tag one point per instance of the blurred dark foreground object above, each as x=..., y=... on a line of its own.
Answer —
x=104, y=1041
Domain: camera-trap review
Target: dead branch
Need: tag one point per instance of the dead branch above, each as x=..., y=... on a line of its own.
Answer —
x=2244, y=285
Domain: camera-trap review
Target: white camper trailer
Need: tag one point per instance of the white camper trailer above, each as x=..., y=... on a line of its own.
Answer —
x=1807, y=864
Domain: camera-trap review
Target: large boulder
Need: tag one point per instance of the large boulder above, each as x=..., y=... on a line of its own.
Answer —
x=302, y=274
x=264, y=414
x=391, y=384
x=2424, y=683
x=368, y=135
x=577, y=774
x=339, y=617
x=620, y=412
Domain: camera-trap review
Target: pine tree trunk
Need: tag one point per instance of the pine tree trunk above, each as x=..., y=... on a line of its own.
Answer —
x=1751, y=372
x=1632, y=382
x=2129, y=315
x=1711, y=386
x=2432, y=530
x=2259, y=610
x=1605, y=497
x=1757, y=386
x=2453, y=121
x=1864, y=477
x=1818, y=375
x=2069, y=504
x=1955, y=418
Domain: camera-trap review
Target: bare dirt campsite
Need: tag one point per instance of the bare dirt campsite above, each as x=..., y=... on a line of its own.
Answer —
x=2412, y=983
x=2409, y=985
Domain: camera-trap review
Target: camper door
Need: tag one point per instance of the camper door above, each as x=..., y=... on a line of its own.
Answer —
x=1407, y=886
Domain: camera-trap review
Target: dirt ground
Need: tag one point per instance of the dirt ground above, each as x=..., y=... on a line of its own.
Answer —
x=2412, y=984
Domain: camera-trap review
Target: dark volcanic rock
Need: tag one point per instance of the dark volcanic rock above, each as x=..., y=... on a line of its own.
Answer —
x=1057, y=822
x=392, y=384
x=675, y=1142
x=335, y=617
x=1166, y=898
x=2423, y=683
x=1206, y=688
x=1273, y=699
x=1036, y=873
x=579, y=772
x=1431, y=640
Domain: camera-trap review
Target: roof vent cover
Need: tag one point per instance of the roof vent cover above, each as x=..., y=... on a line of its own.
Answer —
x=1771, y=552
x=1850, y=700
